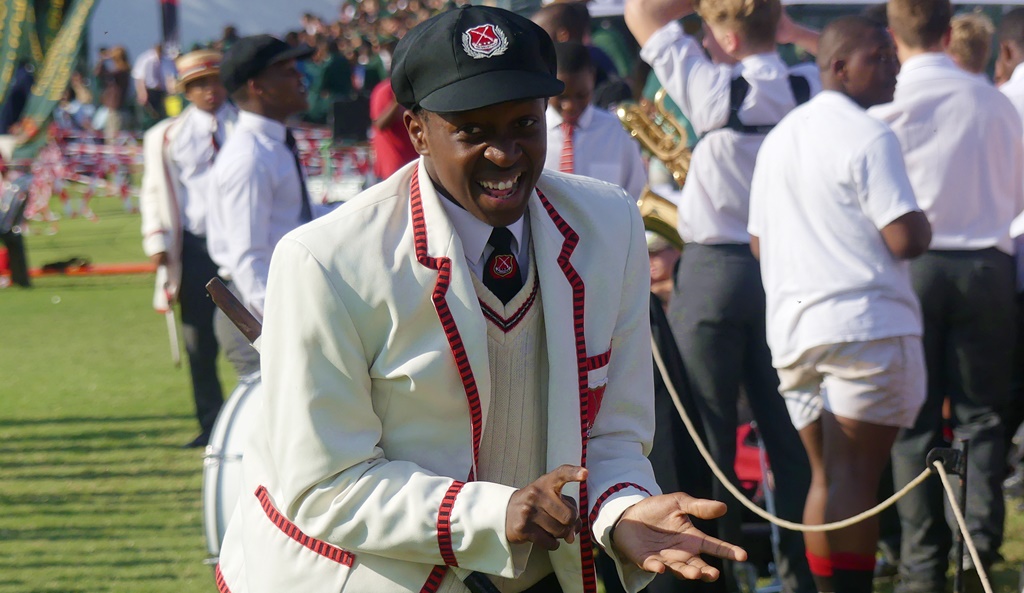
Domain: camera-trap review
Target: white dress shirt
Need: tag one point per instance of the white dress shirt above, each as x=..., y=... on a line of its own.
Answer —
x=602, y=149
x=474, y=234
x=1014, y=90
x=714, y=201
x=828, y=179
x=155, y=72
x=962, y=143
x=192, y=150
x=259, y=199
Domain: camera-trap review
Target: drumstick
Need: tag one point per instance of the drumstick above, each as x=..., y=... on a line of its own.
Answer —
x=251, y=328
x=245, y=321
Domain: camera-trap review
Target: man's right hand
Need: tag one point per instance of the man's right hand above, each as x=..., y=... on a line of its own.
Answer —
x=159, y=259
x=541, y=514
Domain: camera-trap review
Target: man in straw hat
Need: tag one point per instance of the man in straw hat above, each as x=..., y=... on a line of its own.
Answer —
x=176, y=189
x=457, y=363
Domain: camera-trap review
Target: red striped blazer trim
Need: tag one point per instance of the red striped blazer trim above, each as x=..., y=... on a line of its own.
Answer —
x=443, y=265
x=321, y=547
x=607, y=493
x=434, y=579
x=570, y=239
x=222, y=585
x=444, y=527
x=507, y=325
x=596, y=362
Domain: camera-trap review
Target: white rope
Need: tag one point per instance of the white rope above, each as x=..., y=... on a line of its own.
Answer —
x=749, y=503
x=963, y=526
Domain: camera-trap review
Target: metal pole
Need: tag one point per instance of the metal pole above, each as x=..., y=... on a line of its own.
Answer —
x=958, y=541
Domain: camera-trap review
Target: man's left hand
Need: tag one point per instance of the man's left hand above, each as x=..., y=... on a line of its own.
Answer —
x=656, y=534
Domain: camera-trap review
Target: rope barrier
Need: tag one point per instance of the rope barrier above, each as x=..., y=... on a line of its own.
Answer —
x=962, y=523
x=749, y=504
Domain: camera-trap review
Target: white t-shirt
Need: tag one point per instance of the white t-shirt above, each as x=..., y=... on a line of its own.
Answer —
x=828, y=179
x=715, y=198
x=1014, y=90
x=963, y=143
x=602, y=149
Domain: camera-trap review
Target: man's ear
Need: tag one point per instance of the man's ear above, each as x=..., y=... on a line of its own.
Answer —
x=838, y=68
x=416, y=126
x=731, y=42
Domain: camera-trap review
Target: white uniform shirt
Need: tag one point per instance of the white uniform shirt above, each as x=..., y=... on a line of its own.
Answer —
x=602, y=149
x=154, y=72
x=1014, y=90
x=258, y=200
x=962, y=143
x=192, y=150
x=828, y=179
x=474, y=234
x=715, y=198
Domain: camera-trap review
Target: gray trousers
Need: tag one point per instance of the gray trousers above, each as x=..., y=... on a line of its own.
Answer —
x=967, y=298
x=718, y=318
x=237, y=348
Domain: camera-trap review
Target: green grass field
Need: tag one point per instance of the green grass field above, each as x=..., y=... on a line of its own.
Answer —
x=96, y=494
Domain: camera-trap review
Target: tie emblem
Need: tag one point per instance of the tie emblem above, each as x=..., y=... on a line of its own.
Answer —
x=503, y=266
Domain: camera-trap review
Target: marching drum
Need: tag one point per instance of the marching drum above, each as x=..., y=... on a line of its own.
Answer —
x=222, y=466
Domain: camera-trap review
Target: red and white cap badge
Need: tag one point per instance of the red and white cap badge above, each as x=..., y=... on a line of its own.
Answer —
x=484, y=41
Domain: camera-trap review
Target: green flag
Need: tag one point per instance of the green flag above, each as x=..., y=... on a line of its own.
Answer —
x=53, y=78
x=17, y=27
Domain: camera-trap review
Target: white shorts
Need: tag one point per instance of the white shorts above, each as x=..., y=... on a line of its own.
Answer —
x=878, y=381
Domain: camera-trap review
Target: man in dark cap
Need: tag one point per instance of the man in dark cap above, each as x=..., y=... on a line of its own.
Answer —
x=457, y=363
x=260, y=192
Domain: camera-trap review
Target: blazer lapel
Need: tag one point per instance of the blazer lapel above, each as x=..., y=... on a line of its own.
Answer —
x=564, y=435
x=455, y=299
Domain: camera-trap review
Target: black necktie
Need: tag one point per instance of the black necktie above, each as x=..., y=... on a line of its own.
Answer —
x=307, y=211
x=501, y=271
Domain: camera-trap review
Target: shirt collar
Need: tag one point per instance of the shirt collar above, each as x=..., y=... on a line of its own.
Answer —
x=474, y=232
x=926, y=60
x=555, y=119
x=248, y=120
x=759, y=62
x=203, y=118
x=1017, y=78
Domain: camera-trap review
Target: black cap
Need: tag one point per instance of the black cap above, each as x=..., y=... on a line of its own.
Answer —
x=249, y=56
x=472, y=57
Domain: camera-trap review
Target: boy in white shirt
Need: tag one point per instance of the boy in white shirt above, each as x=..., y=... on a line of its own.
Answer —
x=962, y=143
x=584, y=139
x=717, y=310
x=833, y=219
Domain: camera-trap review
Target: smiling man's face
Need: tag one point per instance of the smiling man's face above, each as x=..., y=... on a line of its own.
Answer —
x=488, y=159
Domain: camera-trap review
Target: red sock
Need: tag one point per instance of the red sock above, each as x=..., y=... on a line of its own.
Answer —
x=821, y=571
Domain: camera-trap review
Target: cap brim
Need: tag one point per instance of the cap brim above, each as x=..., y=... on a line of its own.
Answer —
x=491, y=88
x=295, y=53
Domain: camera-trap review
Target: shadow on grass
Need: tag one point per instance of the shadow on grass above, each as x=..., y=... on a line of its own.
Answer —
x=24, y=422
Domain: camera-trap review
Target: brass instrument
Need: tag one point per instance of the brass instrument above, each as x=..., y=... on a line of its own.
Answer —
x=664, y=138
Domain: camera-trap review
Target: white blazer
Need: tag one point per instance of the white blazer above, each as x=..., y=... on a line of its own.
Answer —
x=159, y=203
x=376, y=381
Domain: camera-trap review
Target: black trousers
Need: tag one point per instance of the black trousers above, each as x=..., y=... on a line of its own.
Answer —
x=197, y=309
x=16, y=258
x=718, y=318
x=677, y=463
x=968, y=302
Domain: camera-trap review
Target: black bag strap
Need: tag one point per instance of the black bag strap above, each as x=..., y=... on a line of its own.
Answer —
x=740, y=88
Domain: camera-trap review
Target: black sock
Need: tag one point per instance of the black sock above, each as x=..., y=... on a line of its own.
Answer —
x=852, y=581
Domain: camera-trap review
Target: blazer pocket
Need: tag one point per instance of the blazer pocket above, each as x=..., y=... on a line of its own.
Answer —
x=313, y=565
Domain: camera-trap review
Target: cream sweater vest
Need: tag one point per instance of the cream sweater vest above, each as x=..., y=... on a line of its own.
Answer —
x=513, y=450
